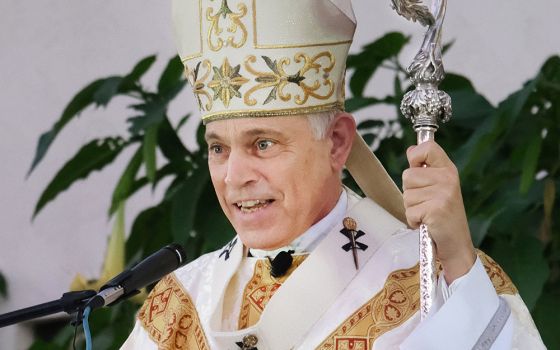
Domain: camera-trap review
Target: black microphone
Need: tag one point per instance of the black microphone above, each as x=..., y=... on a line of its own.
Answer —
x=281, y=263
x=130, y=281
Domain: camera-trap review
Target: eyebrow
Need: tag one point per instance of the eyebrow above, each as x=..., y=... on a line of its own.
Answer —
x=250, y=133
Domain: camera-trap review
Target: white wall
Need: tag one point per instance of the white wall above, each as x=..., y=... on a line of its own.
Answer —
x=51, y=49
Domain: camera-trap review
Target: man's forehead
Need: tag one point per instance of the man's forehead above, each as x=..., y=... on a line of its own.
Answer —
x=247, y=127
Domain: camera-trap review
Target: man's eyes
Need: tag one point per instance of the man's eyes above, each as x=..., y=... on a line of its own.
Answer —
x=263, y=145
x=216, y=149
x=260, y=145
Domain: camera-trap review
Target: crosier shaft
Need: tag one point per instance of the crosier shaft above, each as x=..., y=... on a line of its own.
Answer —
x=426, y=247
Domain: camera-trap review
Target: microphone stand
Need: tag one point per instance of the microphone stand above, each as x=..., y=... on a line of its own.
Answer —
x=70, y=303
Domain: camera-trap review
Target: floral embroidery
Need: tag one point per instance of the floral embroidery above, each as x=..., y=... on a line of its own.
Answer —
x=397, y=302
x=169, y=317
x=310, y=79
x=226, y=82
x=260, y=289
x=391, y=307
x=278, y=79
x=198, y=84
x=501, y=281
x=215, y=41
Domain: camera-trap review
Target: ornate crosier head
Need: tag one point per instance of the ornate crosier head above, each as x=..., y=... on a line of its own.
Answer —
x=426, y=106
x=251, y=58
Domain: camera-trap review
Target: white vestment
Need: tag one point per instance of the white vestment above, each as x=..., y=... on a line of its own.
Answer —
x=326, y=303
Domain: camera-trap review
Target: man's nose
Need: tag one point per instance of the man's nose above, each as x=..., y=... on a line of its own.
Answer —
x=241, y=170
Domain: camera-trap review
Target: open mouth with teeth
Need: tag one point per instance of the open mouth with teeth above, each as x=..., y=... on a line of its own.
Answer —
x=251, y=206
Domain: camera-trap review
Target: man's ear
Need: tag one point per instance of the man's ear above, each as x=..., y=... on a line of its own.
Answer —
x=341, y=134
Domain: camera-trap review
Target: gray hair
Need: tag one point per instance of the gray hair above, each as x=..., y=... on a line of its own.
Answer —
x=320, y=123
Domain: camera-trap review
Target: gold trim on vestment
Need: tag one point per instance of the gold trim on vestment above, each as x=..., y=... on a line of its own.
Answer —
x=170, y=318
x=501, y=281
x=396, y=303
x=256, y=113
x=260, y=288
x=198, y=54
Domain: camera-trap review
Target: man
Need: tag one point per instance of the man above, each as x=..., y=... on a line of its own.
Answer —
x=314, y=266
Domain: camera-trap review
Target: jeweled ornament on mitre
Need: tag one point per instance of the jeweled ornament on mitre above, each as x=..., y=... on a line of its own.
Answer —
x=256, y=58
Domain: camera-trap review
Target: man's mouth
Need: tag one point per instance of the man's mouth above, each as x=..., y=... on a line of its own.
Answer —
x=253, y=205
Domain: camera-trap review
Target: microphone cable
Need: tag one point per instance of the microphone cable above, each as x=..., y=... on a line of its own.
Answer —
x=87, y=331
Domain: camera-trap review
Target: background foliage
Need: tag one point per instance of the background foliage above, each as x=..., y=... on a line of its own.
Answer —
x=508, y=157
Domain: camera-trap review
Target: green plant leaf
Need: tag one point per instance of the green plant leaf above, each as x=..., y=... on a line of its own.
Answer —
x=100, y=92
x=481, y=146
x=184, y=204
x=126, y=181
x=479, y=226
x=530, y=162
x=523, y=261
x=178, y=168
x=370, y=123
x=150, y=231
x=149, y=152
x=456, y=82
x=172, y=76
x=169, y=142
x=107, y=90
x=129, y=81
x=372, y=56
x=3, y=286
x=547, y=319
x=93, y=156
x=43, y=345
x=182, y=122
x=213, y=225
x=447, y=46
x=356, y=103
x=200, y=133
x=154, y=113
x=469, y=108
x=83, y=99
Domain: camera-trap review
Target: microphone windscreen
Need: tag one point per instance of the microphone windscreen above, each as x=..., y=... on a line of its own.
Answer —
x=154, y=267
x=280, y=264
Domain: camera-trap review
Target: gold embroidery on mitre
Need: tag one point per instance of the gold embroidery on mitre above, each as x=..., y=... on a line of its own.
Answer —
x=198, y=83
x=392, y=306
x=169, y=317
x=260, y=289
x=501, y=281
x=226, y=82
x=215, y=40
x=278, y=79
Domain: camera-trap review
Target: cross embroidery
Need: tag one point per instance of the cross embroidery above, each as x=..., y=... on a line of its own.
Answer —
x=227, y=250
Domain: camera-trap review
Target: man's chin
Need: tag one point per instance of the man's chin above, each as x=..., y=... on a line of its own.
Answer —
x=263, y=239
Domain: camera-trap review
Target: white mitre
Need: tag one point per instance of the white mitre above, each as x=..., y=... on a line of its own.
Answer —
x=262, y=58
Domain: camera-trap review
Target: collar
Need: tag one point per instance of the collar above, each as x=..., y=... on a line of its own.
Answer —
x=307, y=241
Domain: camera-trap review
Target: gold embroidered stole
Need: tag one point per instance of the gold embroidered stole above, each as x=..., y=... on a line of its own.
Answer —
x=169, y=317
x=260, y=288
x=397, y=301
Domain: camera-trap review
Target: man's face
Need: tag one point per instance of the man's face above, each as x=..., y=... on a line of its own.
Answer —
x=273, y=179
